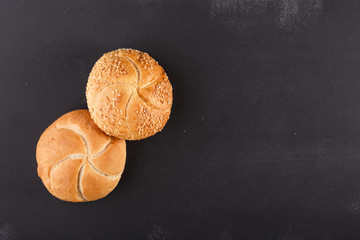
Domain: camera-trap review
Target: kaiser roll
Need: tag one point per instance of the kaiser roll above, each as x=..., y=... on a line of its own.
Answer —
x=78, y=162
x=129, y=94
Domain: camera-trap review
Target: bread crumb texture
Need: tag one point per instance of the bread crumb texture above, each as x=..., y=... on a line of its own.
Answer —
x=129, y=94
x=78, y=162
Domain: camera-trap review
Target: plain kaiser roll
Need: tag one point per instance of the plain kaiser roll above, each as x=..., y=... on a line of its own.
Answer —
x=78, y=162
x=129, y=94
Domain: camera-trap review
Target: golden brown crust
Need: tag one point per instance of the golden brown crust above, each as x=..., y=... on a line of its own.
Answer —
x=144, y=120
x=95, y=185
x=77, y=161
x=121, y=85
x=64, y=180
x=107, y=161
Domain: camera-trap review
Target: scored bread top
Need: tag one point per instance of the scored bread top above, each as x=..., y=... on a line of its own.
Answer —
x=129, y=94
x=77, y=161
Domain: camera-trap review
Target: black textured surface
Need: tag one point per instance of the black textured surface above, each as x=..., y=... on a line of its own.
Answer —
x=263, y=141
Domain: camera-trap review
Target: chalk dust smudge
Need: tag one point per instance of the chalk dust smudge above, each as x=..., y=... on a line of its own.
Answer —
x=7, y=232
x=158, y=232
x=294, y=13
x=282, y=14
x=225, y=235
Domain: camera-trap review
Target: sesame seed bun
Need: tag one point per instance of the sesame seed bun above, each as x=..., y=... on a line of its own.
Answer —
x=78, y=162
x=129, y=94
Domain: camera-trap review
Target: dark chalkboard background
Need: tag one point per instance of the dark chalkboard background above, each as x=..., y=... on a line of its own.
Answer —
x=264, y=137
